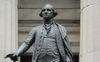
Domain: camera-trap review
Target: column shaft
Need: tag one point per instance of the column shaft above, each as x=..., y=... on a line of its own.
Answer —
x=90, y=31
x=8, y=28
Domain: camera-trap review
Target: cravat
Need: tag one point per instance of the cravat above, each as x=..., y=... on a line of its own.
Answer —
x=48, y=27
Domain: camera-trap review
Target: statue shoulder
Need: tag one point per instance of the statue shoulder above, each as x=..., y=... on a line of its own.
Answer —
x=36, y=28
x=61, y=27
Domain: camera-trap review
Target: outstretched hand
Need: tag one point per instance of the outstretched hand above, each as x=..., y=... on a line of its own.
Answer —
x=12, y=57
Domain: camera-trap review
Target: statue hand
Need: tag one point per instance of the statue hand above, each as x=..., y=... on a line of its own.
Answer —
x=12, y=57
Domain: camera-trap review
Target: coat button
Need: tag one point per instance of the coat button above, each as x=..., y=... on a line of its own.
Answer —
x=58, y=38
x=39, y=45
x=33, y=58
x=37, y=50
x=40, y=36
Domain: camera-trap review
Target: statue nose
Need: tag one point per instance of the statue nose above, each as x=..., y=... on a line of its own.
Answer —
x=45, y=12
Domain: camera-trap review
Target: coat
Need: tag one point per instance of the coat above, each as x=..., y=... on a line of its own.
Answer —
x=35, y=36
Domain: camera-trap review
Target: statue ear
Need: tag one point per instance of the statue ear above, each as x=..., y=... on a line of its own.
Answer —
x=40, y=14
x=55, y=13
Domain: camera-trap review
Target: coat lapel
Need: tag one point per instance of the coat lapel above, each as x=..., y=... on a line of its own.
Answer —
x=59, y=43
x=65, y=42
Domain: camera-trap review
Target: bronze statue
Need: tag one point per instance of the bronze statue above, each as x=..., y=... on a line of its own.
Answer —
x=51, y=41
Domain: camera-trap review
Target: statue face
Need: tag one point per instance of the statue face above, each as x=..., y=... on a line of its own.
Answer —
x=47, y=11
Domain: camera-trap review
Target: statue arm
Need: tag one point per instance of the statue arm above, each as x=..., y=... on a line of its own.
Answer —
x=27, y=43
x=67, y=43
x=68, y=47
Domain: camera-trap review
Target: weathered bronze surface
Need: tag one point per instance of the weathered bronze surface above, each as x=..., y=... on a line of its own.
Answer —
x=51, y=41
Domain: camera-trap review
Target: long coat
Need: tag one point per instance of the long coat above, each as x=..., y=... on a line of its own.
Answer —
x=35, y=36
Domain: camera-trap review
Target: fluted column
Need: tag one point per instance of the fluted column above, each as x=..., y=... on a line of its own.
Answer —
x=90, y=31
x=8, y=28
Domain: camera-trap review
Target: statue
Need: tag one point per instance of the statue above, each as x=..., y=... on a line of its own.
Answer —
x=51, y=41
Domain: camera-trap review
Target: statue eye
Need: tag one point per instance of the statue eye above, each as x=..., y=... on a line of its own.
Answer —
x=43, y=10
x=48, y=9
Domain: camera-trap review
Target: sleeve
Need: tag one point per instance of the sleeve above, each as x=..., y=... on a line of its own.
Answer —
x=27, y=43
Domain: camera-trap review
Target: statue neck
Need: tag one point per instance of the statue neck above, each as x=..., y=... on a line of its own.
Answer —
x=48, y=21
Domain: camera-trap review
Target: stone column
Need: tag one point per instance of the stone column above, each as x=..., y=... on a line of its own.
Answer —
x=90, y=31
x=8, y=28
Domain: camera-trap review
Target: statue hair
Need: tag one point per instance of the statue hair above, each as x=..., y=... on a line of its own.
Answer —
x=54, y=13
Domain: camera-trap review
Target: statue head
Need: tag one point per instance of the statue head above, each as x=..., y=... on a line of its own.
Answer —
x=48, y=11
